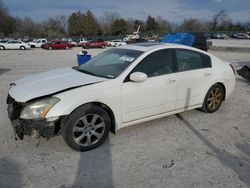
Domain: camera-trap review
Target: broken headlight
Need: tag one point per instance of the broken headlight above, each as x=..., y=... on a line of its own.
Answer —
x=38, y=109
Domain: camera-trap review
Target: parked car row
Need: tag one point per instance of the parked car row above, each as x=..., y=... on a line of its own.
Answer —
x=59, y=44
x=224, y=36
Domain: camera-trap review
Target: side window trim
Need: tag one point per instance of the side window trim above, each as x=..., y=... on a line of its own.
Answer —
x=127, y=79
x=202, y=56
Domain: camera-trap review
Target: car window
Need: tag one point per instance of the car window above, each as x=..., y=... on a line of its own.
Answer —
x=156, y=64
x=110, y=63
x=191, y=60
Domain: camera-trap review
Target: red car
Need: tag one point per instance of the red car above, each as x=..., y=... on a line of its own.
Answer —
x=95, y=44
x=57, y=44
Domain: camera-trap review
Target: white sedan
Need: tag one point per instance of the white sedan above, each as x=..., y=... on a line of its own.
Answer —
x=120, y=87
x=14, y=45
x=116, y=43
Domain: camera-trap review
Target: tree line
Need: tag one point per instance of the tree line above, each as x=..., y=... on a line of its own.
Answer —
x=86, y=24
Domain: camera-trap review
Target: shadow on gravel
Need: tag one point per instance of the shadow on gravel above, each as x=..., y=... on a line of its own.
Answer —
x=10, y=175
x=95, y=168
x=4, y=70
x=240, y=165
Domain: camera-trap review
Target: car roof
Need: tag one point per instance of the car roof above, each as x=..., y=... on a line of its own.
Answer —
x=146, y=46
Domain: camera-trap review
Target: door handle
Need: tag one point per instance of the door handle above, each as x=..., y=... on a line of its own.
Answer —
x=170, y=81
x=207, y=74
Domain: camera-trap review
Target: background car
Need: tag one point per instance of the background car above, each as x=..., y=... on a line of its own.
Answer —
x=200, y=41
x=14, y=44
x=57, y=44
x=99, y=43
x=243, y=36
x=240, y=36
x=138, y=40
x=115, y=43
x=219, y=36
x=37, y=43
x=81, y=41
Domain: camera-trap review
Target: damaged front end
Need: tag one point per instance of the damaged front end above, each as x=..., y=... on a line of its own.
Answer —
x=32, y=127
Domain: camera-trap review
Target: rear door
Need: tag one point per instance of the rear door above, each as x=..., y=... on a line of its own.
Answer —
x=194, y=73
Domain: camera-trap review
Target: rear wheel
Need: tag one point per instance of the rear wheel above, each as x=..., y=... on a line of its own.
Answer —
x=86, y=128
x=213, y=99
x=50, y=48
x=2, y=48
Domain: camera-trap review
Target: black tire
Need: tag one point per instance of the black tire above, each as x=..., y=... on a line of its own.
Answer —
x=22, y=48
x=213, y=99
x=76, y=133
x=2, y=48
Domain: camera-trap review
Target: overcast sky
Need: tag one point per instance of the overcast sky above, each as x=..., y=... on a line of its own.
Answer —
x=172, y=10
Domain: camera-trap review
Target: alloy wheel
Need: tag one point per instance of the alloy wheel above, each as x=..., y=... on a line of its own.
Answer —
x=214, y=98
x=89, y=129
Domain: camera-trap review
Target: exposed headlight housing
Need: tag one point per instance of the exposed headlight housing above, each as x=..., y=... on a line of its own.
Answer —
x=38, y=109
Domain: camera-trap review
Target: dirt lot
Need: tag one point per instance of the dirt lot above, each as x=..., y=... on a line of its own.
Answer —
x=192, y=149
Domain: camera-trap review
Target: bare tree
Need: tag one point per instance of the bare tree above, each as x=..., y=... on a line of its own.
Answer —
x=107, y=20
x=7, y=22
x=220, y=20
x=164, y=25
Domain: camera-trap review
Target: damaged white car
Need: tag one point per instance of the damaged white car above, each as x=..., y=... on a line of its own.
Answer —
x=117, y=88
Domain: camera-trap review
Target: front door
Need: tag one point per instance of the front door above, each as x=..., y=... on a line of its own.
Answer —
x=154, y=96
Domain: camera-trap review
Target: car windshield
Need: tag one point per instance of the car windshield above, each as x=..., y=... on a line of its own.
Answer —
x=110, y=63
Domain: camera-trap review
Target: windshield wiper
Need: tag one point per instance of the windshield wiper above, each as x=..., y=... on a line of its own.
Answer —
x=90, y=73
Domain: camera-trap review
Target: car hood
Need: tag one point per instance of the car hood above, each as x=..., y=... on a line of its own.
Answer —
x=50, y=82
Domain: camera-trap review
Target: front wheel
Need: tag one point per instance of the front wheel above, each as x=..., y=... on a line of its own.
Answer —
x=213, y=99
x=22, y=48
x=86, y=128
x=2, y=48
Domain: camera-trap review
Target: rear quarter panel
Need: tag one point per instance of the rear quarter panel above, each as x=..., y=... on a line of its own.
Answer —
x=223, y=73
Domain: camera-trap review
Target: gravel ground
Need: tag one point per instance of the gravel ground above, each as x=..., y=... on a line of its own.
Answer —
x=192, y=149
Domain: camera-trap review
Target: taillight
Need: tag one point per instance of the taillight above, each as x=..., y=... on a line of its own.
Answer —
x=232, y=68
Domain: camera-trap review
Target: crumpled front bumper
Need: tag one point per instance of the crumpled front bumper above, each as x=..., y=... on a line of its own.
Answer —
x=34, y=128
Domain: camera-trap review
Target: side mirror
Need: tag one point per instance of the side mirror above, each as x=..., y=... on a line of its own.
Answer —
x=138, y=77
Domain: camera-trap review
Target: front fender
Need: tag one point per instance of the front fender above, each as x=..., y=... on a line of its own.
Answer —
x=70, y=100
